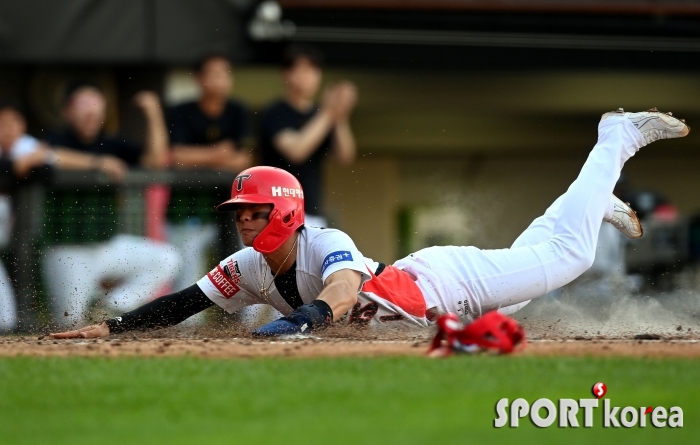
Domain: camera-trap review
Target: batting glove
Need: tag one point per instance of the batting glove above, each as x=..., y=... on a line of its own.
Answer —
x=312, y=316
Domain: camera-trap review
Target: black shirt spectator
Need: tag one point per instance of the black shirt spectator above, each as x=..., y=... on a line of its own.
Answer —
x=281, y=116
x=89, y=214
x=297, y=133
x=189, y=125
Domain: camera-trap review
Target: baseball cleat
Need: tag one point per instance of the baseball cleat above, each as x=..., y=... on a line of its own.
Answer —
x=653, y=124
x=625, y=219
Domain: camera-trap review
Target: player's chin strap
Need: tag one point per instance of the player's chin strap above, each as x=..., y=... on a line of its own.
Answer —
x=492, y=331
x=313, y=316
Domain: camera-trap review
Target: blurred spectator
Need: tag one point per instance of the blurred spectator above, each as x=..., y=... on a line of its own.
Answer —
x=19, y=154
x=204, y=134
x=208, y=133
x=87, y=259
x=297, y=135
x=90, y=148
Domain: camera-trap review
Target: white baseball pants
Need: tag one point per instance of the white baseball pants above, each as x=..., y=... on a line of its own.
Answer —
x=74, y=275
x=554, y=250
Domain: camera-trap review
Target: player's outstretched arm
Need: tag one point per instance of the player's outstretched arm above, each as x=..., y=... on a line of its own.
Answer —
x=93, y=331
x=160, y=313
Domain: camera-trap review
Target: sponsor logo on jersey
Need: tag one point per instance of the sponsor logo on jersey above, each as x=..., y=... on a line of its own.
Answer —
x=463, y=311
x=233, y=271
x=335, y=257
x=223, y=282
x=287, y=192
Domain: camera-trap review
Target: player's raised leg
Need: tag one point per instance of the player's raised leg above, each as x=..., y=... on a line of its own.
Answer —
x=469, y=281
x=619, y=214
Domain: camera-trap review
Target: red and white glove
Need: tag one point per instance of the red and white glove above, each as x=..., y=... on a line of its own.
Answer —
x=493, y=330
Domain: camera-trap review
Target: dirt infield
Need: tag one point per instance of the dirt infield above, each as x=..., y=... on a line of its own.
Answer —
x=242, y=348
x=629, y=327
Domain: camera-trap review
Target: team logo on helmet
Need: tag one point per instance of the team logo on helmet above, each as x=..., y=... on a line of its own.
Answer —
x=239, y=182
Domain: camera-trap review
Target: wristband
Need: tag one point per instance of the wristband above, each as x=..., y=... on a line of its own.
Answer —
x=116, y=325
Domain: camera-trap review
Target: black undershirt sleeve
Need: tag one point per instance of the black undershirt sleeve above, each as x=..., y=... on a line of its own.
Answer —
x=163, y=312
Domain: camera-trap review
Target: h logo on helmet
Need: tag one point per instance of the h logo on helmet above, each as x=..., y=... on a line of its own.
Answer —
x=239, y=182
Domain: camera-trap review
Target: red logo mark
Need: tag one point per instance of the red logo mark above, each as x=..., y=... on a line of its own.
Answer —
x=363, y=314
x=599, y=390
x=648, y=410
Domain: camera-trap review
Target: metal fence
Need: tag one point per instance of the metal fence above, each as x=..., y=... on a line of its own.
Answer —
x=82, y=206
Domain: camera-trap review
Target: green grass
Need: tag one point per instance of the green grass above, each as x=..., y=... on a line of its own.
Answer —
x=350, y=400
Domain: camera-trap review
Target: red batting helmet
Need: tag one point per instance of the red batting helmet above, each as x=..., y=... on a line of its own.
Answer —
x=269, y=185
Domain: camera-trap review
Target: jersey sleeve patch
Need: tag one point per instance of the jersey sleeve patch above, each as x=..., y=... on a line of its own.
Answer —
x=335, y=257
x=226, y=279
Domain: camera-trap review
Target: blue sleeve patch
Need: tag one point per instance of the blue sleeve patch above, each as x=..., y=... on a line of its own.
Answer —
x=335, y=257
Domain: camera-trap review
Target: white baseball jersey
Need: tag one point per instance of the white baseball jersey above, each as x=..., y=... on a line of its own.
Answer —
x=237, y=281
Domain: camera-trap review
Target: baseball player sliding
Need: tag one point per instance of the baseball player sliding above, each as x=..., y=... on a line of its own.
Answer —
x=317, y=276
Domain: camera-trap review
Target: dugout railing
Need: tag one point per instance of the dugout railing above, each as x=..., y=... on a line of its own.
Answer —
x=51, y=208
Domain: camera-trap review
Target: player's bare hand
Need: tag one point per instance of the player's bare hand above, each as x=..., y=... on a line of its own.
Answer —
x=112, y=166
x=93, y=331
